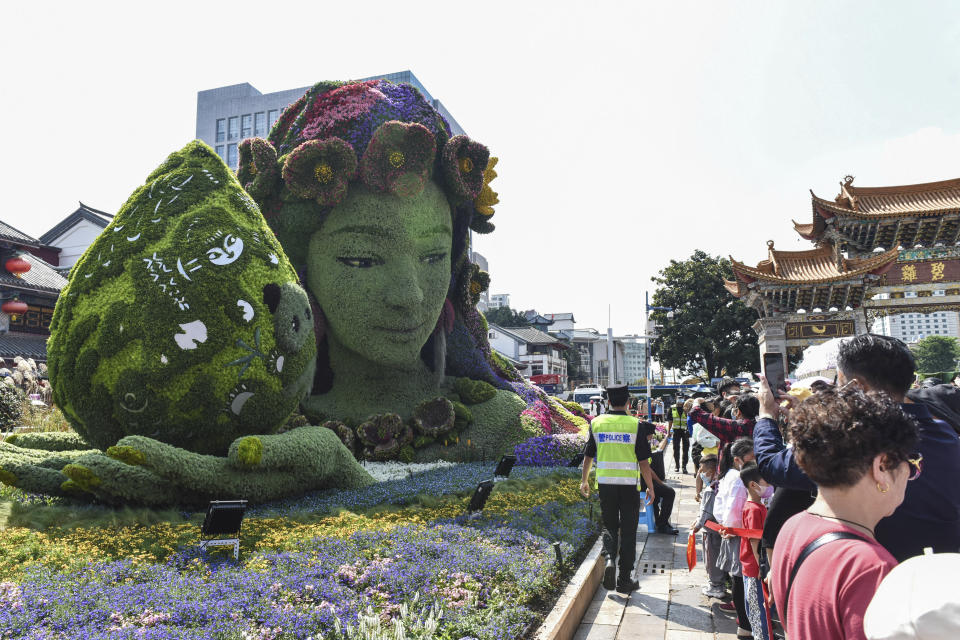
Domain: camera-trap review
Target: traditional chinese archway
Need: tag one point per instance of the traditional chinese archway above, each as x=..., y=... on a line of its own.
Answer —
x=873, y=247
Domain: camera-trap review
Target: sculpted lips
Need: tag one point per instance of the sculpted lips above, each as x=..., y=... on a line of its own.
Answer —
x=402, y=331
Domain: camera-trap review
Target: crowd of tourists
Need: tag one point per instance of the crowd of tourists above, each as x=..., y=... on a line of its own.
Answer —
x=832, y=511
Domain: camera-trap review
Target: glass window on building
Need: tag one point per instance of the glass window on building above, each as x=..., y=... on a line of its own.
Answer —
x=232, y=156
x=272, y=116
x=260, y=124
x=246, y=126
x=220, y=150
x=221, y=130
x=234, y=128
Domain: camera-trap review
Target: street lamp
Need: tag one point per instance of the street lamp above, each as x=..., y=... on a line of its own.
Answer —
x=650, y=308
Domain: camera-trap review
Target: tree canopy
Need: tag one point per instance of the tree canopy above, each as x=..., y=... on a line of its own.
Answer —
x=710, y=327
x=937, y=354
x=506, y=317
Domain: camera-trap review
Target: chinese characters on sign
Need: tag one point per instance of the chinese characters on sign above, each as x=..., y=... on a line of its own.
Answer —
x=936, y=271
x=923, y=272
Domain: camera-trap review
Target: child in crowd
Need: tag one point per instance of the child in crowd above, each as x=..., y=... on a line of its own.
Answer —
x=754, y=514
x=711, y=539
x=728, y=510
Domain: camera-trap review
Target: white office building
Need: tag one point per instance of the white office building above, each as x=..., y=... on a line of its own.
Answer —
x=498, y=300
x=634, y=358
x=911, y=327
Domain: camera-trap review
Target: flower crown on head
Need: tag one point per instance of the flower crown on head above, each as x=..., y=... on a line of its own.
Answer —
x=326, y=142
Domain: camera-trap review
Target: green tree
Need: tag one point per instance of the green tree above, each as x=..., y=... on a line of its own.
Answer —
x=572, y=356
x=506, y=317
x=936, y=354
x=710, y=327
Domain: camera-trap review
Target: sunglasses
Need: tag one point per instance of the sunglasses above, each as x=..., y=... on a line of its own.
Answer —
x=916, y=466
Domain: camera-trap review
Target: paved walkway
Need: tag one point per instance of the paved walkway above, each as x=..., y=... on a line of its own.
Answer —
x=669, y=604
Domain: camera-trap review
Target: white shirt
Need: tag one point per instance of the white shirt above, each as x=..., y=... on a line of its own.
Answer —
x=731, y=496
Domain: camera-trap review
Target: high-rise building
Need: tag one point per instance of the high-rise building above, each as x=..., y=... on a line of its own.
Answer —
x=634, y=358
x=912, y=327
x=227, y=115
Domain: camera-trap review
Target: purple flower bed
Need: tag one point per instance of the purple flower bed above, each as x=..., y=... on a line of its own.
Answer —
x=483, y=572
x=549, y=451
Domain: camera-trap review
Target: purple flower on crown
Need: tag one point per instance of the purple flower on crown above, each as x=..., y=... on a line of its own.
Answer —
x=399, y=158
x=320, y=170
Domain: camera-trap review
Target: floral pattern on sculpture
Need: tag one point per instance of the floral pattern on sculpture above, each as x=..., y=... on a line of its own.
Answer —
x=463, y=162
x=320, y=170
x=259, y=172
x=434, y=418
x=345, y=433
x=399, y=158
x=488, y=197
x=383, y=436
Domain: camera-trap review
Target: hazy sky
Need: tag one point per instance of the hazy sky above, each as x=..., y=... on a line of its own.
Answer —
x=629, y=133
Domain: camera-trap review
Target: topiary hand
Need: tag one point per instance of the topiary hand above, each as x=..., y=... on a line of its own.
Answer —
x=257, y=468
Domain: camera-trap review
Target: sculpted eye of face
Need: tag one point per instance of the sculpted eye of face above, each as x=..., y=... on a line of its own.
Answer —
x=357, y=262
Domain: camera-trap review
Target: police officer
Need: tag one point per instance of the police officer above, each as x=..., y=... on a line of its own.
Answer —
x=619, y=444
x=681, y=437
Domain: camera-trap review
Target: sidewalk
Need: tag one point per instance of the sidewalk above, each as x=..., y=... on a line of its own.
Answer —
x=669, y=605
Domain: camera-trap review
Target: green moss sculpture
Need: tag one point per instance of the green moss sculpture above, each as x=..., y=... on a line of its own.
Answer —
x=183, y=321
x=181, y=342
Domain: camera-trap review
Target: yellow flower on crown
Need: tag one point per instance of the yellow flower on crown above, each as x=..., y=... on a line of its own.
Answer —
x=488, y=197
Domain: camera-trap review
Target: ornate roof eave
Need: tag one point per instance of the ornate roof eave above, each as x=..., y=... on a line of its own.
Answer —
x=874, y=265
x=734, y=287
x=828, y=209
x=806, y=231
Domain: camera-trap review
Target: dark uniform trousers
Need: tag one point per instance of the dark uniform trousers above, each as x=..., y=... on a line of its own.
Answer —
x=620, y=505
x=681, y=438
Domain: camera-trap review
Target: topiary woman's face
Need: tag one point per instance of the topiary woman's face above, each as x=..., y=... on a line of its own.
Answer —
x=380, y=269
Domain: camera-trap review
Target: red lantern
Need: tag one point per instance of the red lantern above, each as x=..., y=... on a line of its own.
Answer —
x=14, y=308
x=17, y=266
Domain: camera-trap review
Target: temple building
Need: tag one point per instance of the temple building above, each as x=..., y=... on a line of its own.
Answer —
x=878, y=251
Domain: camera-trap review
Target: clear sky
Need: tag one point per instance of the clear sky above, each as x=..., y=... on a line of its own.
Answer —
x=629, y=133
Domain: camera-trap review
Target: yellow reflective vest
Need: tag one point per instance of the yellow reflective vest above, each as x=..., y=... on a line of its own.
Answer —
x=677, y=419
x=616, y=438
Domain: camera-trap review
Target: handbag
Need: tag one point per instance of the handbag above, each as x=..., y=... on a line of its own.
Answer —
x=706, y=439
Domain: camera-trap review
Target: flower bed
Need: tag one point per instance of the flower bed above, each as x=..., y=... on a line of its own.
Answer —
x=550, y=450
x=412, y=559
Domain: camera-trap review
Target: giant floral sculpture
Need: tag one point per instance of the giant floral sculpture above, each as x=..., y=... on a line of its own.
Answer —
x=179, y=359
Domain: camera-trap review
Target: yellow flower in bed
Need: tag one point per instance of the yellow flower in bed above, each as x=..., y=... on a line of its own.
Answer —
x=67, y=550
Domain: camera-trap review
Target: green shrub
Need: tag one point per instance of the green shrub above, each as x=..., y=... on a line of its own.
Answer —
x=11, y=407
x=473, y=391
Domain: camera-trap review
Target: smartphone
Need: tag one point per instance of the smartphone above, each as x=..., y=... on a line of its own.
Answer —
x=773, y=371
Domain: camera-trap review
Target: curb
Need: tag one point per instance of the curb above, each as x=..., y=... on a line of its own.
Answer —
x=563, y=620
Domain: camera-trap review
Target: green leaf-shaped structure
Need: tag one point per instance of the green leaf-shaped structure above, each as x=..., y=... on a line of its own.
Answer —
x=183, y=321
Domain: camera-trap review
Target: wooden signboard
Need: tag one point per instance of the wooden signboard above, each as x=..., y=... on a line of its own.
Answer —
x=35, y=320
x=922, y=272
x=825, y=329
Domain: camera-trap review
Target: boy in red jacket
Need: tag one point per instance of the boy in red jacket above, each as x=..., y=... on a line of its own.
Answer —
x=754, y=515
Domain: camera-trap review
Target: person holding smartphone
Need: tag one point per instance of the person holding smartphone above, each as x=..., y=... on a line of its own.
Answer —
x=930, y=513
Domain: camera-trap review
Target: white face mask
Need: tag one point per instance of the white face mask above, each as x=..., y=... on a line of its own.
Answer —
x=705, y=478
